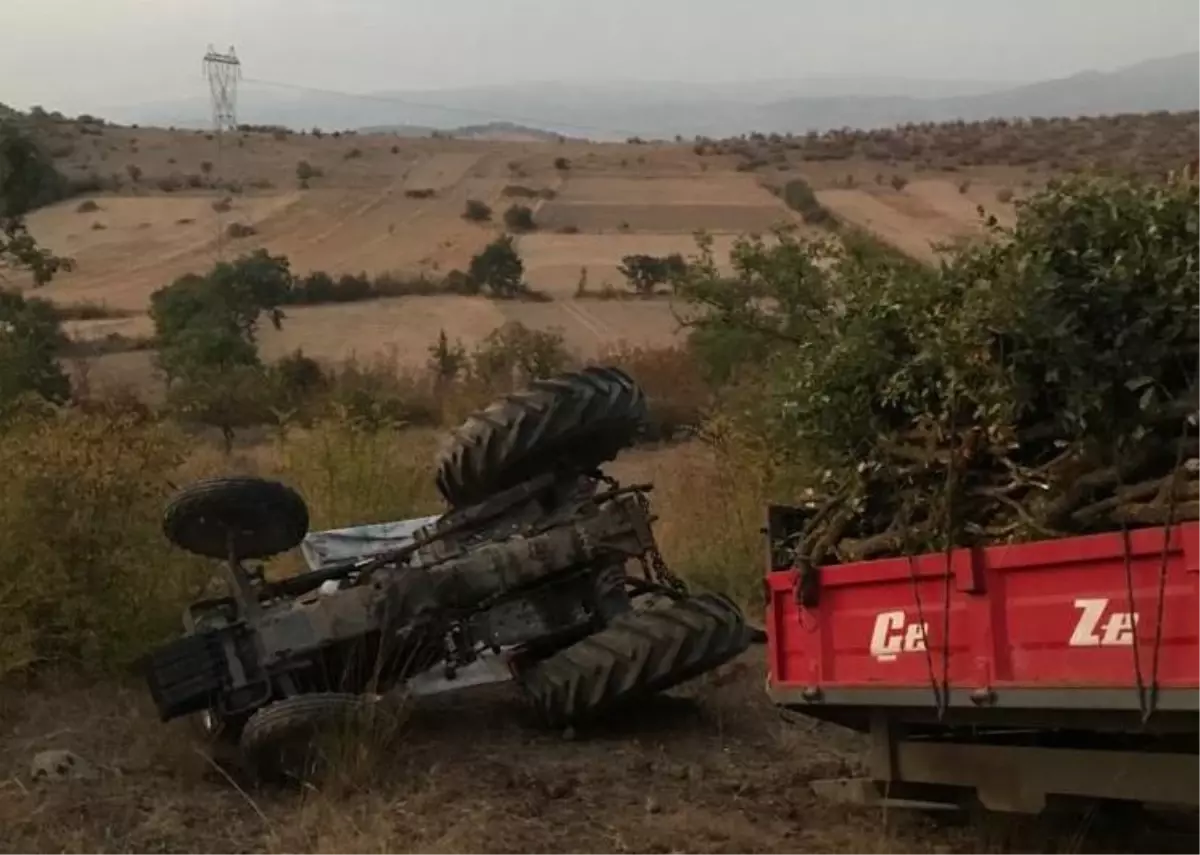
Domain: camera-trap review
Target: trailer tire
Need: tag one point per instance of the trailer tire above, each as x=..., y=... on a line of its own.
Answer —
x=638, y=654
x=280, y=741
x=574, y=421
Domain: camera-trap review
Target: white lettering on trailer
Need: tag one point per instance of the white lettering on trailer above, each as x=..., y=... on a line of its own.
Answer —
x=893, y=635
x=1091, y=630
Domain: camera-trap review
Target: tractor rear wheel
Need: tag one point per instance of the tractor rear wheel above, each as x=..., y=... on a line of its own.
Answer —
x=572, y=422
x=640, y=653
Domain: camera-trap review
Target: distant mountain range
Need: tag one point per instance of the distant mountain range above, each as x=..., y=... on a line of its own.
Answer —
x=663, y=110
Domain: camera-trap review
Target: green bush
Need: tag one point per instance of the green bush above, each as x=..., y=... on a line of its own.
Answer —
x=910, y=398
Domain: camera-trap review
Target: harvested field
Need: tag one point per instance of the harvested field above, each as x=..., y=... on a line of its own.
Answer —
x=924, y=213
x=733, y=188
x=590, y=325
x=553, y=261
x=681, y=219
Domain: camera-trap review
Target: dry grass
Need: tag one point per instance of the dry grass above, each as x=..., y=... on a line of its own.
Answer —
x=712, y=769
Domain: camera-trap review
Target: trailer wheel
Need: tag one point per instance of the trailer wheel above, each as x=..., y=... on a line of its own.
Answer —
x=638, y=654
x=286, y=740
x=263, y=518
x=573, y=421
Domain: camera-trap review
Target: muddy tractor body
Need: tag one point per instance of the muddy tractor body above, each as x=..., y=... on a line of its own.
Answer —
x=543, y=571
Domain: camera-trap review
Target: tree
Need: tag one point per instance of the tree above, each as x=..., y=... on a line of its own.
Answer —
x=28, y=179
x=30, y=338
x=498, y=268
x=226, y=399
x=210, y=322
x=646, y=272
x=446, y=360
x=30, y=332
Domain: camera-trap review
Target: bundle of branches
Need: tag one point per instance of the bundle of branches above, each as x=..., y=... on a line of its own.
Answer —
x=1042, y=383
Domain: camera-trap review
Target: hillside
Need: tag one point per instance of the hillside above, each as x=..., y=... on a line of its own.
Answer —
x=664, y=110
x=1162, y=84
x=385, y=205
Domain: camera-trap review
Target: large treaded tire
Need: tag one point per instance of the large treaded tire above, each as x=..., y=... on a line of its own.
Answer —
x=573, y=421
x=280, y=741
x=266, y=518
x=639, y=654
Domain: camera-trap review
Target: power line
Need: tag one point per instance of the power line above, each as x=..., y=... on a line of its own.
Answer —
x=490, y=115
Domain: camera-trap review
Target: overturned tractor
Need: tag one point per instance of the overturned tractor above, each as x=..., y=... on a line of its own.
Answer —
x=525, y=577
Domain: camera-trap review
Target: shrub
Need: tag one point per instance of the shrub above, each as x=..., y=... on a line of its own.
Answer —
x=170, y=183
x=514, y=354
x=421, y=193
x=799, y=196
x=353, y=154
x=1004, y=195
x=519, y=218
x=206, y=167
x=477, y=211
x=87, y=206
x=223, y=206
x=562, y=164
x=135, y=172
x=305, y=171
x=519, y=191
x=240, y=230
x=88, y=579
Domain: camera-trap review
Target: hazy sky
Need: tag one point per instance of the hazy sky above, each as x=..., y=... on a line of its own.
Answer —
x=74, y=55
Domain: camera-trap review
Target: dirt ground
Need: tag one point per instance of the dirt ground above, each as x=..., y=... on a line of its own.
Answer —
x=712, y=768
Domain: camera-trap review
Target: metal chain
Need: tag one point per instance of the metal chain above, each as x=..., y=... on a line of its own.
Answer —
x=658, y=569
x=662, y=573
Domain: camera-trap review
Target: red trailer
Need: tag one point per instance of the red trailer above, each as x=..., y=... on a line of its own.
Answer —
x=1021, y=673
